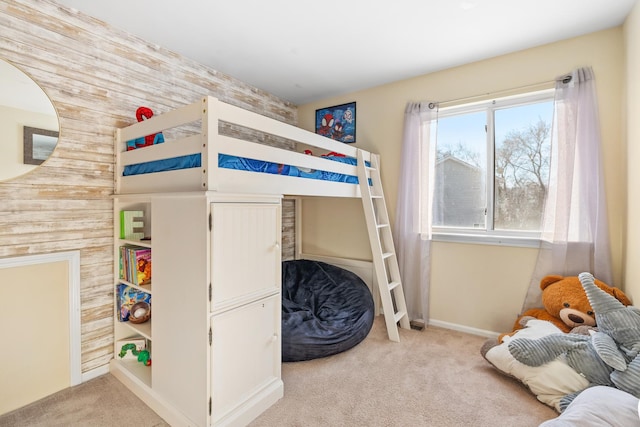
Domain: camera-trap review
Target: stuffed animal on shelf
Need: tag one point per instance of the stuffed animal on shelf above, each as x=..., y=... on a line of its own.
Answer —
x=566, y=305
x=142, y=355
x=142, y=114
x=607, y=356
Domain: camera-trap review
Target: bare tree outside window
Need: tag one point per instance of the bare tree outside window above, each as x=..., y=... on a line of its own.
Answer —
x=521, y=177
x=492, y=166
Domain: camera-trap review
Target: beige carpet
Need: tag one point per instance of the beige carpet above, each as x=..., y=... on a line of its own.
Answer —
x=101, y=402
x=434, y=377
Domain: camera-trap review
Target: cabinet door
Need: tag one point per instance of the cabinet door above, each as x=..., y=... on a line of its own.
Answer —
x=245, y=252
x=245, y=354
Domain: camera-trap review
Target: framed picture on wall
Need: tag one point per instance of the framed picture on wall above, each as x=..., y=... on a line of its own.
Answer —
x=38, y=144
x=337, y=122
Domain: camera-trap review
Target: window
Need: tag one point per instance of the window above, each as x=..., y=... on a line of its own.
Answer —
x=492, y=169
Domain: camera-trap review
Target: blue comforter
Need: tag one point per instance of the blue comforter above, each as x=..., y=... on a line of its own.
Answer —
x=242, y=163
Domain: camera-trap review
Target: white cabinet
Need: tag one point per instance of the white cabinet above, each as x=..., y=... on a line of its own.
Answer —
x=216, y=308
x=244, y=246
x=246, y=355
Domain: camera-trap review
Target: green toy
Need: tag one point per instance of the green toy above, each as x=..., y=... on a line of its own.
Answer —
x=143, y=355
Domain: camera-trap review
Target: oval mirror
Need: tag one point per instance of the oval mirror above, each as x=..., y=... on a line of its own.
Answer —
x=28, y=123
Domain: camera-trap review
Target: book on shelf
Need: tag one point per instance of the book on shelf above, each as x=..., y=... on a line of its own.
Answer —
x=132, y=224
x=142, y=275
x=127, y=296
x=135, y=264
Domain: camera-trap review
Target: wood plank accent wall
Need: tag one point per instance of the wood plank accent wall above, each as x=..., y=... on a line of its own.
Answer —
x=96, y=77
x=288, y=229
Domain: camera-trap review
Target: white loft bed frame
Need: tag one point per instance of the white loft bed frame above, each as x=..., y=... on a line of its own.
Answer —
x=208, y=143
x=209, y=111
x=195, y=130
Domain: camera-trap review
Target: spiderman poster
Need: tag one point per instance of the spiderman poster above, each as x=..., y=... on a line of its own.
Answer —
x=338, y=122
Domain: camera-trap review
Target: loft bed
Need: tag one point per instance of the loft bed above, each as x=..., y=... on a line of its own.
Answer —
x=210, y=145
x=197, y=155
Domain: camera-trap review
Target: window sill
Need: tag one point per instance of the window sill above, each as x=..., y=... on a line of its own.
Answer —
x=476, y=239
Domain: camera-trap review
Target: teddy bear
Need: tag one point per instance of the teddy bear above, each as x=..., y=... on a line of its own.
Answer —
x=566, y=305
x=530, y=352
x=609, y=356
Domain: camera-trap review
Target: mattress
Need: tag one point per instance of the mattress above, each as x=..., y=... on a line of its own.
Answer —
x=245, y=164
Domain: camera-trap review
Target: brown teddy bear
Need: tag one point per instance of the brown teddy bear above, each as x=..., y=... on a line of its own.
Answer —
x=566, y=304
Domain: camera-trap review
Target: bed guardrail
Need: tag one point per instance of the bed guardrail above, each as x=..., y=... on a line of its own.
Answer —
x=199, y=135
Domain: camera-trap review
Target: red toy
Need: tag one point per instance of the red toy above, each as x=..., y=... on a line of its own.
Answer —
x=145, y=113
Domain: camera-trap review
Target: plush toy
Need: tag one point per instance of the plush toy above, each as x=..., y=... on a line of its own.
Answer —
x=142, y=355
x=618, y=340
x=579, y=352
x=551, y=382
x=608, y=356
x=142, y=114
x=566, y=305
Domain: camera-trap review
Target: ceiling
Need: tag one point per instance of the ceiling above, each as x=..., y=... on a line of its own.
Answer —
x=305, y=51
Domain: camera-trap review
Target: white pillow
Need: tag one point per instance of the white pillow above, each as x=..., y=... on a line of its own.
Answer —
x=599, y=406
x=549, y=382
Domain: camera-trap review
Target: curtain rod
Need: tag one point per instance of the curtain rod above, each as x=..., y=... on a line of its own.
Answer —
x=492, y=94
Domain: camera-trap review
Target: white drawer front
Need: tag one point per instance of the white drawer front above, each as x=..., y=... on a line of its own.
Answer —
x=245, y=354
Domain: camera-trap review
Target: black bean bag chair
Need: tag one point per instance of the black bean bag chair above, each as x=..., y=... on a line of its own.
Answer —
x=325, y=310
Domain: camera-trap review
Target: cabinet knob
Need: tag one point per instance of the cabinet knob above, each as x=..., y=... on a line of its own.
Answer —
x=277, y=245
x=274, y=338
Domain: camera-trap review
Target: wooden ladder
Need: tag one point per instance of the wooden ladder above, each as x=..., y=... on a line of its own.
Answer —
x=385, y=261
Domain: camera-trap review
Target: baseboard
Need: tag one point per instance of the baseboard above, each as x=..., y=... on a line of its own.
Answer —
x=253, y=407
x=157, y=404
x=462, y=328
x=95, y=373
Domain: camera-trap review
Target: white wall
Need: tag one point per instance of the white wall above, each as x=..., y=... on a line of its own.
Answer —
x=477, y=286
x=632, y=235
x=34, y=312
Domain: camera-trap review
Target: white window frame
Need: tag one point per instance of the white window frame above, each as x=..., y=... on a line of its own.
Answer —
x=488, y=235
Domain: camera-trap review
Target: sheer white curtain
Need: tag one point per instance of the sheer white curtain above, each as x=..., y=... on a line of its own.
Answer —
x=412, y=226
x=575, y=235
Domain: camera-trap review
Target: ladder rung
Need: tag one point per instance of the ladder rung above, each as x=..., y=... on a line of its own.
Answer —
x=393, y=285
x=387, y=255
x=375, y=196
x=382, y=225
x=399, y=315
